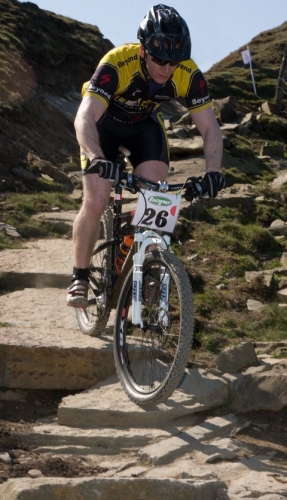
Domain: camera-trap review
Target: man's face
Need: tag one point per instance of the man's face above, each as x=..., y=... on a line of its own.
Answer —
x=160, y=74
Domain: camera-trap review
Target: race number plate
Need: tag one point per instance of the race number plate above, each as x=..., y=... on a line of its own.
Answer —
x=157, y=210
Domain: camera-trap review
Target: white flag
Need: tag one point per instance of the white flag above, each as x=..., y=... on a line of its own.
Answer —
x=246, y=56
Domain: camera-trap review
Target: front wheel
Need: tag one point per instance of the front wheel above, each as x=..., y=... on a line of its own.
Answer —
x=150, y=361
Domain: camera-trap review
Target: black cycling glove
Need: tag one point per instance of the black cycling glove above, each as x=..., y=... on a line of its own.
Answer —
x=214, y=182
x=106, y=169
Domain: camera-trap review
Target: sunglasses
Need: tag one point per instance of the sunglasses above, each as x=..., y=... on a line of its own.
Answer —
x=162, y=62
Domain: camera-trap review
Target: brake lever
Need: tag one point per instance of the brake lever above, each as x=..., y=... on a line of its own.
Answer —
x=197, y=191
x=128, y=184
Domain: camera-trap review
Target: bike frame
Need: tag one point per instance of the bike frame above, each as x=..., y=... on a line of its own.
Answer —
x=143, y=238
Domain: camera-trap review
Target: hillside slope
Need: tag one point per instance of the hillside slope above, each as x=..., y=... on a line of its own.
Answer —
x=40, y=48
x=232, y=77
x=45, y=58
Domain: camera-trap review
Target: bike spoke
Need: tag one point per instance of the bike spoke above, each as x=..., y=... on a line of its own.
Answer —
x=150, y=352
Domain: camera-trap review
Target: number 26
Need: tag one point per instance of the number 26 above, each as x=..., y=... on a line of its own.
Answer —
x=160, y=218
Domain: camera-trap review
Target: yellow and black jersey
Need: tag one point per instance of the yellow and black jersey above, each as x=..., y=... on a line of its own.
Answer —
x=121, y=83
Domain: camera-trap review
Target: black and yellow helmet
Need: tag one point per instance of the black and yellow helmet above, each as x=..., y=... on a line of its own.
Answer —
x=164, y=34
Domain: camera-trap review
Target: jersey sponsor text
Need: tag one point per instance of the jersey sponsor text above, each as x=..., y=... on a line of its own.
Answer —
x=127, y=61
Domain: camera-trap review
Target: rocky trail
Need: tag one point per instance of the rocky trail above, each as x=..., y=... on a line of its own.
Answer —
x=68, y=429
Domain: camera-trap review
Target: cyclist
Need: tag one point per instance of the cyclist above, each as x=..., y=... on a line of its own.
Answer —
x=121, y=106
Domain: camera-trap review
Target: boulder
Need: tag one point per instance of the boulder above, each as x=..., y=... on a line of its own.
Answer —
x=278, y=227
x=237, y=358
x=9, y=230
x=282, y=296
x=173, y=110
x=248, y=167
x=261, y=391
x=224, y=109
x=47, y=168
x=269, y=108
x=254, y=305
x=272, y=150
x=248, y=120
x=185, y=119
x=279, y=181
x=283, y=259
x=185, y=147
x=267, y=276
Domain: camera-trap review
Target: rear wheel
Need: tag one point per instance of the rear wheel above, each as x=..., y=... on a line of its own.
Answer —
x=93, y=320
x=150, y=361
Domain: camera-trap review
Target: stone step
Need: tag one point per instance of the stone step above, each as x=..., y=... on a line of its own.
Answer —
x=109, y=488
x=11, y=280
x=63, y=440
x=42, y=346
x=106, y=404
x=186, y=441
x=46, y=256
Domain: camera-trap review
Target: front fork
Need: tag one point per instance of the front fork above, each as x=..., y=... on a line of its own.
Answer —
x=142, y=241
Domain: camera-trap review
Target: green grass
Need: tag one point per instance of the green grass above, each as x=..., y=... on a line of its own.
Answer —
x=18, y=208
x=267, y=50
x=38, y=202
x=6, y=242
x=266, y=325
x=229, y=242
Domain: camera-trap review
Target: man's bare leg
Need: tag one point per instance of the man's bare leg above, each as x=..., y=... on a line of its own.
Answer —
x=85, y=233
x=153, y=170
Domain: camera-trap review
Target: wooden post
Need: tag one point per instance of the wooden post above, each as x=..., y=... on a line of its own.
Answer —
x=281, y=82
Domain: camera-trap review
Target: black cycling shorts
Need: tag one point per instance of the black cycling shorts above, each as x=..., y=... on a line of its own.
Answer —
x=146, y=140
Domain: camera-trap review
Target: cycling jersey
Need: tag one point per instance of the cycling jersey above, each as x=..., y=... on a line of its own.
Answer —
x=121, y=83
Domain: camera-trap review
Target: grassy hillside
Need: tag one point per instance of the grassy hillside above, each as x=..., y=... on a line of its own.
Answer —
x=44, y=58
x=232, y=77
x=41, y=48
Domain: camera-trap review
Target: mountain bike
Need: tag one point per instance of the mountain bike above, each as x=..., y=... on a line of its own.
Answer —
x=152, y=294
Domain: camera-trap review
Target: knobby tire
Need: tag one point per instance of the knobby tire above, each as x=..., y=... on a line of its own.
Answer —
x=150, y=363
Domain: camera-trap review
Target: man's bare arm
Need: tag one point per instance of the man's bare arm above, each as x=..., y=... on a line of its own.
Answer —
x=89, y=112
x=210, y=131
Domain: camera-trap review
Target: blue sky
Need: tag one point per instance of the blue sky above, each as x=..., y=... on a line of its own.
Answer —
x=217, y=27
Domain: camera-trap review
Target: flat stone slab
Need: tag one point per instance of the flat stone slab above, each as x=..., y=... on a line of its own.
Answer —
x=42, y=347
x=63, y=220
x=69, y=440
x=175, y=446
x=102, y=489
x=259, y=484
x=106, y=404
x=47, y=256
x=39, y=264
x=181, y=146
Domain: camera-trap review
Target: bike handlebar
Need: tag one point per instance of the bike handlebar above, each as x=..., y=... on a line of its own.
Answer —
x=194, y=187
